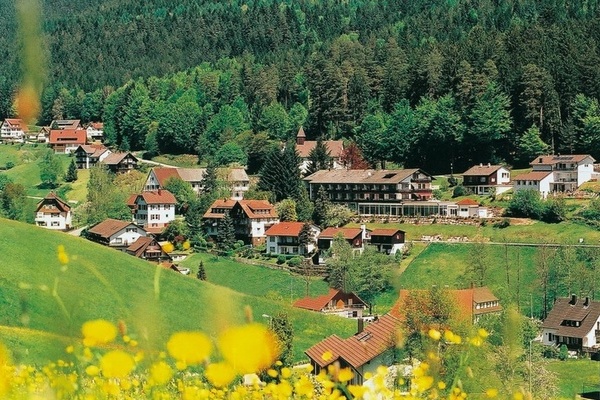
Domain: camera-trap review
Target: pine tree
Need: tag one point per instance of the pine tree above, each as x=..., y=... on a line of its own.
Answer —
x=201, y=272
x=280, y=173
x=321, y=206
x=226, y=233
x=210, y=180
x=282, y=327
x=305, y=238
x=319, y=158
x=71, y=175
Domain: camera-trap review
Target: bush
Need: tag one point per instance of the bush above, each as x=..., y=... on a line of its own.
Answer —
x=452, y=181
x=459, y=190
x=280, y=259
x=9, y=165
x=563, y=353
x=554, y=210
x=503, y=223
x=526, y=204
x=294, y=262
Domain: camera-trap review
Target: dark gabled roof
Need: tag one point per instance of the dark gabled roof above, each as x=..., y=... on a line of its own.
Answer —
x=109, y=227
x=138, y=247
x=116, y=158
x=376, y=338
x=52, y=198
x=385, y=232
x=482, y=170
x=533, y=176
x=348, y=233
x=566, y=310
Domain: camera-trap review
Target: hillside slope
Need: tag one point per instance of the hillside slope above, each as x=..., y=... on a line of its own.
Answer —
x=40, y=294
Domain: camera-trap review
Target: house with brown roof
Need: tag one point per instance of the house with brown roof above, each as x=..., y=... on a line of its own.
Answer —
x=115, y=233
x=251, y=219
x=557, y=173
x=484, y=179
x=574, y=322
x=52, y=212
x=66, y=124
x=388, y=241
x=364, y=189
x=372, y=346
x=356, y=237
x=13, y=130
x=65, y=141
x=335, y=302
x=284, y=238
x=236, y=178
x=120, y=163
x=88, y=156
x=153, y=210
x=304, y=147
x=147, y=248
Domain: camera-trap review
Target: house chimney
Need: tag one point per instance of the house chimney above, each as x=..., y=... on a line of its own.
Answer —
x=159, y=191
x=586, y=303
x=361, y=325
x=573, y=299
x=481, y=164
x=489, y=165
x=363, y=229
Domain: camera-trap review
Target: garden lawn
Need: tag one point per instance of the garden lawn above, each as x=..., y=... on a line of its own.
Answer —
x=575, y=376
x=98, y=282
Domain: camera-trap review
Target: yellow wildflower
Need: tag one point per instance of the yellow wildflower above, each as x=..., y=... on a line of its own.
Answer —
x=345, y=374
x=272, y=373
x=476, y=341
x=63, y=258
x=482, y=333
x=491, y=392
x=422, y=383
x=92, y=370
x=219, y=374
x=327, y=356
x=248, y=348
x=69, y=349
x=441, y=385
x=435, y=334
x=97, y=332
x=161, y=373
x=189, y=347
x=358, y=391
x=116, y=364
x=286, y=373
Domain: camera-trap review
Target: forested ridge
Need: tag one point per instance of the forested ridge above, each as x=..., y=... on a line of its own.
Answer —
x=483, y=81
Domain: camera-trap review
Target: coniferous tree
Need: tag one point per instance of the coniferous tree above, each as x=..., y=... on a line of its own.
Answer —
x=304, y=207
x=210, y=180
x=282, y=328
x=280, y=174
x=201, y=272
x=319, y=158
x=226, y=233
x=305, y=238
x=71, y=175
x=321, y=207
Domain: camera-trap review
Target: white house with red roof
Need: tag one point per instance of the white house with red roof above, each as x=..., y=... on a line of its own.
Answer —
x=469, y=208
x=535, y=180
x=284, y=238
x=66, y=141
x=52, y=212
x=95, y=132
x=251, y=219
x=304, y=147
x=13, y=131
x=153, y=210
x=335, y=302
x=482, y=179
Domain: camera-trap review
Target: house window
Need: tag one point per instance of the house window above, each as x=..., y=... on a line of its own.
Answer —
x=167, y=206
x=482, y=179
x=272, y=249
x=54, y=223
x=551, y=337
x=128, y=230
x=118, y=240
x=272, y=239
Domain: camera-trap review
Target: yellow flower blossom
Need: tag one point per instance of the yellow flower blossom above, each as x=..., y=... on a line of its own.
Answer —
x=358, y=391
x=69, y=349
x=491, y=393
x=272, y=373
x=435, y=334
x=161, y=373
x=98, y=331
x=116, y=364
x=189, y=347
x=482, y=333
x=423, y=383
x=345, y=374
x=286, y=373
x=248, y=348
x=327, y=356
x=92, y=370
x=441, y=385
x=63, y=258
x=219, y=374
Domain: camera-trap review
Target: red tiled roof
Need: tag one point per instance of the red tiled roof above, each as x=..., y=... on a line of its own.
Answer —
x=18, y=123
x=254, y=208
x=161, y=196
x=52, y=198
x=285, y=229
x=533, y=176
x=348, y=233
x=68, y=136
x=220, y=203
x=94, y=150
x=109, y=227
x=163, y=174
x=555, y=159
x=467, y=202
x=376, y=338
x=320, y=302
x=335, y=147
x=385, y=232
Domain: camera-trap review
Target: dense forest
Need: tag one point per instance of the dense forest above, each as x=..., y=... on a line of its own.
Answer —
x=482, y=81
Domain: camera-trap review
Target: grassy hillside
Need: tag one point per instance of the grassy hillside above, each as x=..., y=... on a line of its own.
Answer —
x=41, y=295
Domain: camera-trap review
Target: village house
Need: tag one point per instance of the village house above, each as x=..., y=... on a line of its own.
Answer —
x=573, y=322
x=147, y=248
x=357, y=238
x=95, y=132
x=65, y=141
x=556, y=174
x=43, y=136
x=284, y=238
x=237, y=179
x=71, y=124
x=304, y=147
x=53, y=213
x=372, y=346
x=120, y=163
x=88, y=156
x=487, y=179
x=469, y=208
x=335, y=302
x=361, y=189
x=115, y=233
x=153, y=210
x=251, y=219
x=388, y=241
x=13, y=131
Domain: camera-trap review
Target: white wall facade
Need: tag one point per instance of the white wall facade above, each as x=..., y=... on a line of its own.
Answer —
x=542, y=186
x=585, y=170
x=153, y=215
x=9, y=133
x=57, y=220
x=126, y=236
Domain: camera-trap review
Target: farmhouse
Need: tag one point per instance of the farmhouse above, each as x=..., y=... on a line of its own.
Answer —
x=236, y=178
x=120, y=163
x=115, y=233
x=372, y=346
x=335, y=302
x=304, y=147
x=153, y=210
x=574, y=322
x=284, y=238
x=147, y=248
x=251, y=219
x=53, y=213
x=95, y=132
x=485, y=179
x=88, y=156
x=65, y=141
x=388, y=241
x=13, y=131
